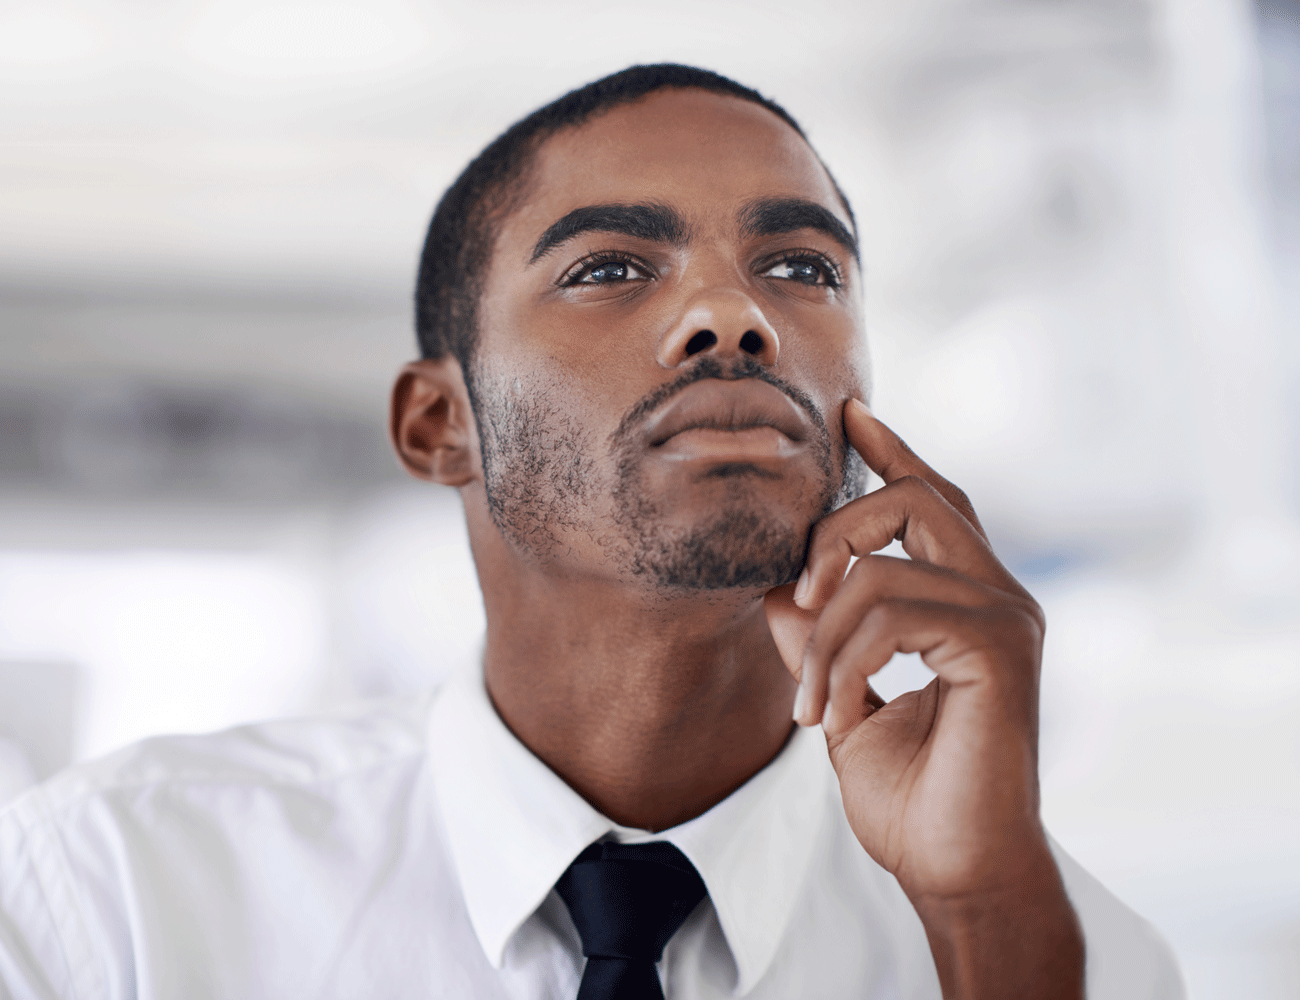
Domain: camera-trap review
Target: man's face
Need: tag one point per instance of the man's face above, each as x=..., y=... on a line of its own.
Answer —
x=668, y=331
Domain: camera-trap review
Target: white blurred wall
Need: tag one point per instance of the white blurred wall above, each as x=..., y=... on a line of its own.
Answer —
x=1081, y=227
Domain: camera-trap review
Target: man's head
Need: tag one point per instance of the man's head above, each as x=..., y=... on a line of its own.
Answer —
x=652, y=288
x=463, y=231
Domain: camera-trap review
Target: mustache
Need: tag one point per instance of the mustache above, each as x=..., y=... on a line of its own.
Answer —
x=708, y=367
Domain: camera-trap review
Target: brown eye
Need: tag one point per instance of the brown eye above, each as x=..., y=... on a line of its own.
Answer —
x=804, y=270
x=608, y=272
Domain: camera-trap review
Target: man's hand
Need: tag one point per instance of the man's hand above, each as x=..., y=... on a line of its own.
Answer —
x=939, y=785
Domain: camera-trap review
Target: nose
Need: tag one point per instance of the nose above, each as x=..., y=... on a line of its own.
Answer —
x=723, y=323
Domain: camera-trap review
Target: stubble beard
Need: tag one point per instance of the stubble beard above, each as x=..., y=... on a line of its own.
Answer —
x=543, y=483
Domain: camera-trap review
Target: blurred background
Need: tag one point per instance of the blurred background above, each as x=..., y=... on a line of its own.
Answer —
x=1082, y=239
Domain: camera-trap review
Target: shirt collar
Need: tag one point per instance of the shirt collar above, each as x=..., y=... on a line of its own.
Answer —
x=514, y=826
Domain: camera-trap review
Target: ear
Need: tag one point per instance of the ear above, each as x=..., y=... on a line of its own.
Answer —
x=431, y=424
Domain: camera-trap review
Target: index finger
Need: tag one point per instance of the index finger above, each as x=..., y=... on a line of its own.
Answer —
x=889, y=457
x=932, y=517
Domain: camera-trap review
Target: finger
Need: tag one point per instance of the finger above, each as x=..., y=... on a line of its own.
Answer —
x=791, y=627
x=888, y=455
x=874, y=579
x=996, y=647
x=909, y=509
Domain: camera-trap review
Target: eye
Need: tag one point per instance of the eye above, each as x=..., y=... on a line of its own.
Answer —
x=806, y=270
x=606, y=271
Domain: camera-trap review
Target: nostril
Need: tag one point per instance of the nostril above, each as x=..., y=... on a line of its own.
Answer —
x=750, y=343
x=702, y=341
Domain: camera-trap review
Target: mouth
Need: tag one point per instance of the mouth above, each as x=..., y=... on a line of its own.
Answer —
x=741, y=419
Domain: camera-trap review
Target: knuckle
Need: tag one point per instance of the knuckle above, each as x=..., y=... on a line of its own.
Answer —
x=883, y=616
x=959, y=499
x=848, y=670
x=867, y=575
x=920, y=489
x=815, y=654
x=820, y=650
x=935, y=487
x=1020, y=621
x=823, y=538
x=1036, y=612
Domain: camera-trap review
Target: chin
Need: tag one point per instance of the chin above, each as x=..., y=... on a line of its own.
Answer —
x=738, y=528
x=736, y=550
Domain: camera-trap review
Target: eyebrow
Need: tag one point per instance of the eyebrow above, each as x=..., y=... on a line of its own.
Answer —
x=656, y=223
x=774, y=216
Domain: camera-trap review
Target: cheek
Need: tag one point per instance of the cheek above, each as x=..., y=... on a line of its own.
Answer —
x=539, y=418
x=857, y=370
x=831, y=364
x=598, y=387
x=600, y=360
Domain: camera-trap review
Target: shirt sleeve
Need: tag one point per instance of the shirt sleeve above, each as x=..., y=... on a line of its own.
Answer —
x=42, y=954
x=1127, y=959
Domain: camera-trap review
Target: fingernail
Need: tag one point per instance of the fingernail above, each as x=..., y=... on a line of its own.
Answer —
x=826, y=717
x=801, y=588
x=862, y=406
x=800, y=703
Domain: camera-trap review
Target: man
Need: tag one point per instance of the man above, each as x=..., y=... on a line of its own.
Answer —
x=644, y=366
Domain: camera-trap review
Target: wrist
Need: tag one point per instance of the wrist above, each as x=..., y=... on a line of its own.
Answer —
x=1019, y=939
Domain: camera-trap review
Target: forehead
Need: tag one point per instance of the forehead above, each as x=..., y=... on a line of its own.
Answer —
x=705, y=154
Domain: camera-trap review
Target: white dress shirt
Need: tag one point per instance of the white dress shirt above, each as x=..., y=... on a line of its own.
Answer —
x=408, y=848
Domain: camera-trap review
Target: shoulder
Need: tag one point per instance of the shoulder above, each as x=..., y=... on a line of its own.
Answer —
x=302, y=753
x=265, y=832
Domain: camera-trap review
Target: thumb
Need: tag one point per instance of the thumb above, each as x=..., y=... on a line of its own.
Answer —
x=790, y=626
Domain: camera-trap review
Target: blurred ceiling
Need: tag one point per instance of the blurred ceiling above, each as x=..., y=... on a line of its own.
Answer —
x=197, y=171
x=223, y=202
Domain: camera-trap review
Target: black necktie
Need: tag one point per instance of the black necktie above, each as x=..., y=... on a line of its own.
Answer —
x=627, y=900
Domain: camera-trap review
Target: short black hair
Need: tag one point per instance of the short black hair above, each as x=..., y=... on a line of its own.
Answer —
x=458, y=248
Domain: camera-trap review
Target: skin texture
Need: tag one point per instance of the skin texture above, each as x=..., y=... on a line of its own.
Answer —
x=644, y=637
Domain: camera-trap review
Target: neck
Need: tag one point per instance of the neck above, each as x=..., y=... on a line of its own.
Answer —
x=652, y=708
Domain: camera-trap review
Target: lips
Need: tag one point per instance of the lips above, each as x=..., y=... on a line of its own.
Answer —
x=729, y=405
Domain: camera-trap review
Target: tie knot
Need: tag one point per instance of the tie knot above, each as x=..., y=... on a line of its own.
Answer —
x=627, y=900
